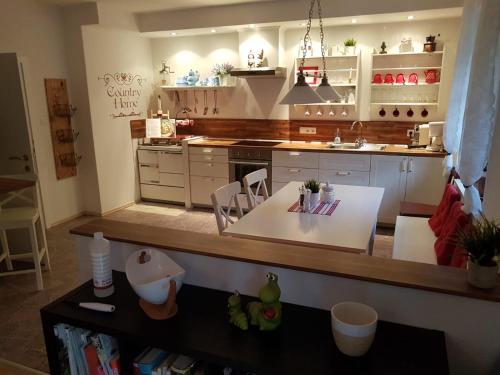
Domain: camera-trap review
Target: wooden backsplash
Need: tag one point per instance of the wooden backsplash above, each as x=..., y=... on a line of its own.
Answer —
x=373, y=131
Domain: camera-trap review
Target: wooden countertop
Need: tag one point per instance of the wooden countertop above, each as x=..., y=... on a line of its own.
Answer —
x=318, y=147
x=447, y=280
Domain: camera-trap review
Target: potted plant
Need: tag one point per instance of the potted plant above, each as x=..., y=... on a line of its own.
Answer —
x=314, y=186
x=222, y=72
x=481, y=243
x=350, y=46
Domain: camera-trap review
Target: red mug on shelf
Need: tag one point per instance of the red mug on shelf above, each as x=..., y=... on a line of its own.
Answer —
x=377, y=78
x=431, y=76
x=413, y=78
x=388, y=78
x=400, y=79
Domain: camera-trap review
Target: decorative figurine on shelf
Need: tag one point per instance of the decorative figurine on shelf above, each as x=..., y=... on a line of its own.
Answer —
x=430, y=45
x=236, y=315
x=165, y=73
x=383, y=46
x=267, y=314
x=259, y=59
x=192, y=77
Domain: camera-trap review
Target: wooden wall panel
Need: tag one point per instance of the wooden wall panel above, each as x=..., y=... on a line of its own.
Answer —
x=373, y=131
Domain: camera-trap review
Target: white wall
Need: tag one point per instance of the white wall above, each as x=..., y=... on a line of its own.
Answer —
x=115, y=51
x=35, y=31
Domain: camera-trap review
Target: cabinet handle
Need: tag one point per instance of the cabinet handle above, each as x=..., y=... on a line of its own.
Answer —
x=209, y=158
x=294, y=170
x=410, y=165
x=148, y=166
x=404, y=163
x=154, y=181
x=343, y=173
x=294, y=153
x=208, y=150
x=210, y=164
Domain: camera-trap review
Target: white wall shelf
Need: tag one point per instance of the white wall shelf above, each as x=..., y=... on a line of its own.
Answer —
x=406, y=103
x=395, y=85
x=194, y=88
x=406, y=68
x=409, y=54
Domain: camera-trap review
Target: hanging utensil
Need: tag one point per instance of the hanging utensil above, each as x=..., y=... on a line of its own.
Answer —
x=344, y=112
x=215, y=110
x=195, y=102
x=332, y=111
x=307, y=112
x=205, y=102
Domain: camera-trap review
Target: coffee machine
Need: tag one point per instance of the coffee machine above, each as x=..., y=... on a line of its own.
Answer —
x=436, y=136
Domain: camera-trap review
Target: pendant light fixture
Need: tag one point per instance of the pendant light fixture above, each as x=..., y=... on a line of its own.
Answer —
x=301, y=92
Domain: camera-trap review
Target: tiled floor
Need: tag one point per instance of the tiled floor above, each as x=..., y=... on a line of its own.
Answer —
x=21, y=338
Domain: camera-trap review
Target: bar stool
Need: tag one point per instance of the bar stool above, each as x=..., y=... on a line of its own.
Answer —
x=24, y=218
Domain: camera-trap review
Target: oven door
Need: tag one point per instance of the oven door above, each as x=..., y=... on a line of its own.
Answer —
x=239, y=168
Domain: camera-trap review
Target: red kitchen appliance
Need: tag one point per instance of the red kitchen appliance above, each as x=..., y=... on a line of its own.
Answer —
x=413, y=78
x=388, y=78
x=431, y=76
x=400, y=79
x=377, y=78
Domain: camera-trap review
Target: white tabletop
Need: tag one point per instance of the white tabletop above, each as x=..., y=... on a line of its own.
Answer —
x=349, y=228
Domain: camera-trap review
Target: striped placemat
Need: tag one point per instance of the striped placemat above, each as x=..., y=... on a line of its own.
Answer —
x=321, y=209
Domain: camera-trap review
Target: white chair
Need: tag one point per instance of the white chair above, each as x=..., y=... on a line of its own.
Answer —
x=222, y=200
x=24, y=218
x=258, y=177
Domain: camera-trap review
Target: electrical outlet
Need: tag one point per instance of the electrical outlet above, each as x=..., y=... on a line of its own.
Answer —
x=307, y=130
x=410, y=133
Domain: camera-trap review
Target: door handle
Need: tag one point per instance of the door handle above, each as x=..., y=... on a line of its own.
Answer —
x=404, y=163
x=410, y=165
x=343, y=173
x=294, y=170
x=24, y=157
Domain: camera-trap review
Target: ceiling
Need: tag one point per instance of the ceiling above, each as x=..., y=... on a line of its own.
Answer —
x=140, y=6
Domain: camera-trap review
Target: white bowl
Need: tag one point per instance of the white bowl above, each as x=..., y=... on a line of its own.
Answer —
x=353, y=325
x=151, y=280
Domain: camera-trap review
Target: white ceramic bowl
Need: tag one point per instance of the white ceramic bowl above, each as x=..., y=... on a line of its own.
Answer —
x=353, y=325
x=151, y=280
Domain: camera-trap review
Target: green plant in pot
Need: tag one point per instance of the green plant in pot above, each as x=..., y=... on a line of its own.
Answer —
x=350, y=46
x=481, y=243
x=314, y=186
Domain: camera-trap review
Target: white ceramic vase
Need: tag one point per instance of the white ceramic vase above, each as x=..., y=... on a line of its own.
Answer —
x=350, y=50
x=353, y=326
x=314, y=201
x=223, y=80
x=484, y=277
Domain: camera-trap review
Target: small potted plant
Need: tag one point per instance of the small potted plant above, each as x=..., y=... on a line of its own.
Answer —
x=350, y=46
x=314, y=186
x=222, y=72
x=481, y=243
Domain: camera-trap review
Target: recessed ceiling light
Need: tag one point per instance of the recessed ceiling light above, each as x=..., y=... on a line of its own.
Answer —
x=173, y=33
x=411, y=17
x=213, y=30
x=354, y=20
x=251, y=26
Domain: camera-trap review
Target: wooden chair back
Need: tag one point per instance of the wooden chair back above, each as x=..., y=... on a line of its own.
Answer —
x=224, y=200
x=258, y=177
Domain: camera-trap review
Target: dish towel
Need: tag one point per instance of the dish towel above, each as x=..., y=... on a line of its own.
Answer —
x=320, y=209
x=437, y=221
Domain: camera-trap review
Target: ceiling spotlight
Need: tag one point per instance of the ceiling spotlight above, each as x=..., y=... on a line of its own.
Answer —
x=354, y=20
x=251, y=26
x=411, y=17
x=213, y=30
x=173, y=33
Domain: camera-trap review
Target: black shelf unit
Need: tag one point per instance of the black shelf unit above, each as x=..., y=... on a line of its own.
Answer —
x=302, y=345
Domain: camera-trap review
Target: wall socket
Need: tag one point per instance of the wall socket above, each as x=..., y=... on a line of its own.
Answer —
x=307, y=130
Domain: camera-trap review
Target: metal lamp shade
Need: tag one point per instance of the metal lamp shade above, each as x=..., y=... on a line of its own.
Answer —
x=327, y=92
x=301, y=93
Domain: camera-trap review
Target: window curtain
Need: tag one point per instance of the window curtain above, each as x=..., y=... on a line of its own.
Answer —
x=471, y=114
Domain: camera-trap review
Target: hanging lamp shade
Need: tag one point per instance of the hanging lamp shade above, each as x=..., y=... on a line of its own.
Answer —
x=327, y=92
x=301, y=93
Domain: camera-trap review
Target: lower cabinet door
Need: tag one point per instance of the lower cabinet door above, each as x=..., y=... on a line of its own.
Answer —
x=425, y=181
x=172, y=179
x=289, y=174
x=202, y=187
x=345, y=177
x=162, y=193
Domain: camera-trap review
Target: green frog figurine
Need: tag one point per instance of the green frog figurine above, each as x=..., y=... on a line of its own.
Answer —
x=267, y=314
x=236, y=315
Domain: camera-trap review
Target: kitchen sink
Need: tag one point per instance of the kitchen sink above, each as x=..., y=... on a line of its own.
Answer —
x=354, y=146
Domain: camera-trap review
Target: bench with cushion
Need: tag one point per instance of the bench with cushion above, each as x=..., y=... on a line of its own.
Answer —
x=414, y=239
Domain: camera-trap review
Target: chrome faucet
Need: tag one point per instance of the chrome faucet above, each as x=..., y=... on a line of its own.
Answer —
x=360, y=140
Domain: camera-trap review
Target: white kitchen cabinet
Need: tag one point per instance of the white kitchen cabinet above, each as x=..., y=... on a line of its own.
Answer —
x=425, y=181
x=411, y=179
x=170, y=162
x=207, y=151
x=149, y=174
x=147, y=156
x=162, y=193
x=344, y=162
x=389, y=172
x=288, y=174
x=202, y=187
x=344, y=177
x=295, y=159
x=172, y=179
x=209, y=169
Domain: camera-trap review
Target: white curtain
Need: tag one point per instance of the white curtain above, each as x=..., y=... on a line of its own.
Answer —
x=475, y=90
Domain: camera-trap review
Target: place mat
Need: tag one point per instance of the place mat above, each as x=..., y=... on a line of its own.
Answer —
x=320, y=209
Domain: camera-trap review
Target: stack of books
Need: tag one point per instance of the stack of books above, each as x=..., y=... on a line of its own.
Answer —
x=87, y=353
x=154, y=361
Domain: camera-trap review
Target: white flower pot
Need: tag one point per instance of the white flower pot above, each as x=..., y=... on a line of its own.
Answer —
x=314, y=201
x=350, y=50
x=223, y=80
x=484, y=277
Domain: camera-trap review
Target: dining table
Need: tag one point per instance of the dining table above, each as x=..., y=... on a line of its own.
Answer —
x=349, y=227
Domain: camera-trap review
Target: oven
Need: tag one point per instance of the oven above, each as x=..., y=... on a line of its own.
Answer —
x=243, y=161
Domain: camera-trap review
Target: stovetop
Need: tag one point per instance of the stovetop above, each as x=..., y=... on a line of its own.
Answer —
x=257, y=143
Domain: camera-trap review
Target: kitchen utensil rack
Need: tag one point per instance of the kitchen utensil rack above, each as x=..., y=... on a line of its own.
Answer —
x=303, y=344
